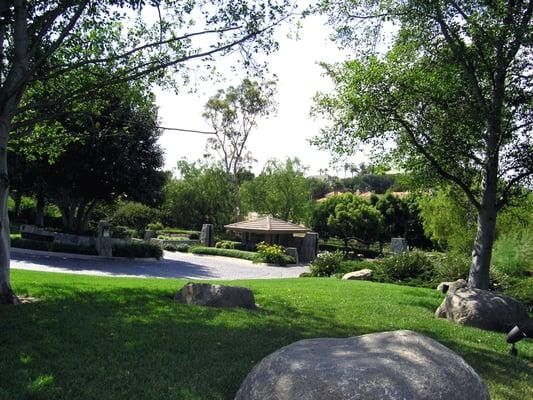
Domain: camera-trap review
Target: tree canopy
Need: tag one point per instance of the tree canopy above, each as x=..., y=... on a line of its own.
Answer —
x=453, y=93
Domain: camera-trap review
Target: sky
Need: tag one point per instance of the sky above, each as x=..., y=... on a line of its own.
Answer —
x=282, y=135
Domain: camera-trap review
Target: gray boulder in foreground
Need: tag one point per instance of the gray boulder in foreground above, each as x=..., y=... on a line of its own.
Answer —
x=204, y=294
x=482, y=309
x=379, y=366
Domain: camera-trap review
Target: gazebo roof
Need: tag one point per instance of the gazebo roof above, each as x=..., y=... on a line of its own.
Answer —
x=267, y=224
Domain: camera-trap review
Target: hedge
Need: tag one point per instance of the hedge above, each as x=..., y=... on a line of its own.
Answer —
x=137, y=250
x=245, y=255
x=51, y=246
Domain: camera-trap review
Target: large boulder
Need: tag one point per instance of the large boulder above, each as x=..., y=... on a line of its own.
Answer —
x=204, y=294
x=361, y=275
x=450, y=287
x=482, y=309
x=379, y=366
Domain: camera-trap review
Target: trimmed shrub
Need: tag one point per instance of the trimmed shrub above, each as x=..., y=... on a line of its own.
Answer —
x=228, y=244
x=137, y=250
x=157, y=226
x=413, y=268
x=169, y=247
x=177, y=231
x=182, y=248
x=194, y=236
x=51, y=246
x=326, y=263
x=272, y=254
x=245, y=255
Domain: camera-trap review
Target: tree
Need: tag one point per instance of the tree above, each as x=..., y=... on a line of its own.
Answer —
x=113, y=153
x=233, y=114
x=395, y=213
x=281, y=189
x=33, y=33
x=198, y=197
x=454, y=94
x=354, y=218
x=318, y=188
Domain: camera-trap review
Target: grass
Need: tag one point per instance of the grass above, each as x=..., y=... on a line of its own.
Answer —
x=114, y=338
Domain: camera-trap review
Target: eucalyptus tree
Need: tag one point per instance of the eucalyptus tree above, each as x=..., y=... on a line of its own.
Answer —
x=33, y=33
x=233, y=113
x=453, y=92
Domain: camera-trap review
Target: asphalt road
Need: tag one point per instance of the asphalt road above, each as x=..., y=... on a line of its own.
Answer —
x=173, y=265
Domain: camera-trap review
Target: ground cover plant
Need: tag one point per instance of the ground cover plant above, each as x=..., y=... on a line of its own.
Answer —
x=110, y=338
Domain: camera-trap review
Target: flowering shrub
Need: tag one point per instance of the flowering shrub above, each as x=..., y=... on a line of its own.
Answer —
x=326, y=263
x=272, y=254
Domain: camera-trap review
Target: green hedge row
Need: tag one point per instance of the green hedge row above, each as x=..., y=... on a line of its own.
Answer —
x=137, y=250
x=51, y=246
x=245, y=255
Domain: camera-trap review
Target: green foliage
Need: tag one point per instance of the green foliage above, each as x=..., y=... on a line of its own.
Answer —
x=176, y=231
x=137, y=250
x=412, y=268
x=522, y=290
x=245, y=255
x=135, y=216
x=326, y=263
x=355, y=218
x=51, y=246
x=182, y=248
x=451, y=266
x=396, y=215
x=272, y=254
x=156, y=226
x=228, y=244
x=122, y=232
x=513, y=253
x=281, y=189
x=449, y=220
x=203, y=194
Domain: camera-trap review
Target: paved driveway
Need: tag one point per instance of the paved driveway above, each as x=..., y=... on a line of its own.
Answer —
x=173, y=265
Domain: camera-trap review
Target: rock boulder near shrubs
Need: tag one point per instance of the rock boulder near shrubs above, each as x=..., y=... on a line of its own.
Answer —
x=482, y=309
x=362, y=275
x=204, y=294
x=450, y=287
x=379, y=366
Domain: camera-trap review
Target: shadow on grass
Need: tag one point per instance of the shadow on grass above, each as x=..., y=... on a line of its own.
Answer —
x=137, y=343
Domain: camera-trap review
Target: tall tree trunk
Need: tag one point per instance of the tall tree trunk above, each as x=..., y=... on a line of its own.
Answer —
x=39, y=210
x=6, y=293
x=479, y=276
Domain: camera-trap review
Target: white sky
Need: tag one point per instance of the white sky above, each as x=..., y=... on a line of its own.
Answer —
x=282, y=135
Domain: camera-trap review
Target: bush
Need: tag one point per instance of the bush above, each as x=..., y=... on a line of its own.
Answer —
x=414, y=268
x=135, y=216
x=522, y=290
x=51, y=246
x=121, y=232
x=326, y=263
x=169, y=247
x=157, y=226
x=194, y=236
x=137, y=250
x=245, y=255
x=451, y=266
x=228, y=244
x=182, y=248
x=513, y=253
x=272, y=254
x=177, y=231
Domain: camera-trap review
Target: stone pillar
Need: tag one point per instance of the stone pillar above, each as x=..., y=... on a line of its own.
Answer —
x=207, y=237
x=103, y=241
x=398, y=245
x=150, y=234
x=293, y=252
x=309, y=247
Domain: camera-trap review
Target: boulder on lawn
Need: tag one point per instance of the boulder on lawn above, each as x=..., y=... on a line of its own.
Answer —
x=204, y=294
x=385, y=366
x=450, y=287
x=482, y=309
x=362, y=275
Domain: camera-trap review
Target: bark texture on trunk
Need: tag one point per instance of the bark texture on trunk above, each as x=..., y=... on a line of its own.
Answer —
x=6, y=293
x=481, y=255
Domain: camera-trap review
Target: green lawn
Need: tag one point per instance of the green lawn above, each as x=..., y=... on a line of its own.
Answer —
x=109, y=338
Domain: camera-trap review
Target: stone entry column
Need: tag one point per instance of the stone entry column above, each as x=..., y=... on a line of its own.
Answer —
x=103, y=241
x=399, y=245
x=207, y=237
x=309, y=247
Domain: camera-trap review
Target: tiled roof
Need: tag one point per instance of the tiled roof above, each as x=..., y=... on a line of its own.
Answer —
x=267, y=224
